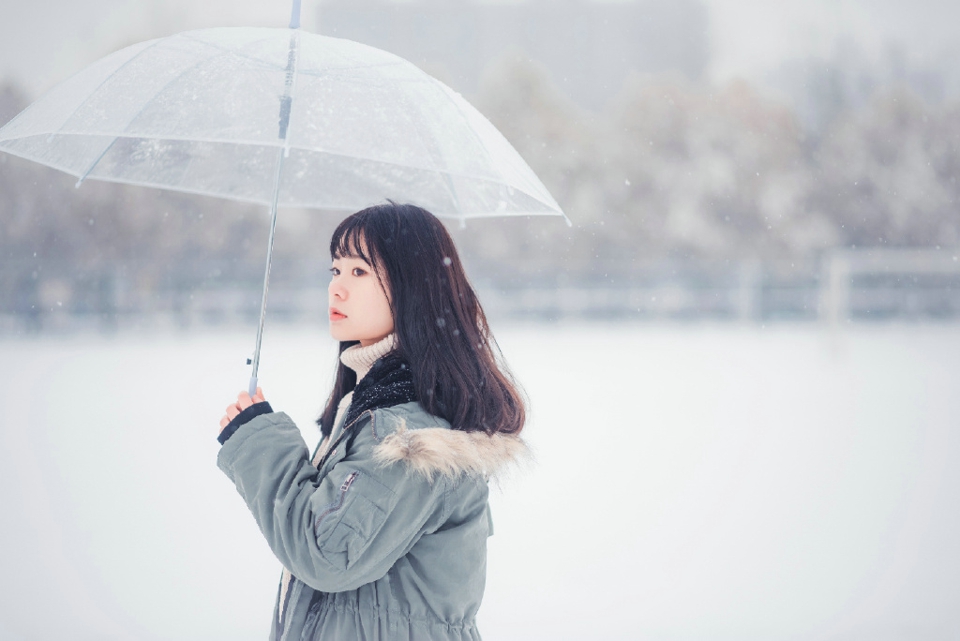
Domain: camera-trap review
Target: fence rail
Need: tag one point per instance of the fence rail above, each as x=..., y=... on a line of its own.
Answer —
x=840, y=287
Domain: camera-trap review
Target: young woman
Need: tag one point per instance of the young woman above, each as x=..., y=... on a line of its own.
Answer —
x=382, y=532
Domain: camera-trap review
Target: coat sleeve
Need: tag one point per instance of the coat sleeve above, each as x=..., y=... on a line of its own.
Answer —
x=334, y=532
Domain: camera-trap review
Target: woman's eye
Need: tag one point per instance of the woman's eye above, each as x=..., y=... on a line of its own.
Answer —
x=334, y=271
x=358, y=272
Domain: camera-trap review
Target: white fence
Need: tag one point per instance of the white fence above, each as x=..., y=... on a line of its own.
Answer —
x=842, y=286
x=882, y=284
x=839, y=287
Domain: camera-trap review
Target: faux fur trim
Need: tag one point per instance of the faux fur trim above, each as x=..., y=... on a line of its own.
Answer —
x=436, y=451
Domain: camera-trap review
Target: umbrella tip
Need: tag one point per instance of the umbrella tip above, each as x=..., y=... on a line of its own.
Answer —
x=295, y=15
x=79, y=182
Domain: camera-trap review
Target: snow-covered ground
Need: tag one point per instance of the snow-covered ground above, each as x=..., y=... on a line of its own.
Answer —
x=691, y=483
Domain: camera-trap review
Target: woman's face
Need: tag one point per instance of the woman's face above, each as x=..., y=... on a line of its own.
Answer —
x=359, y=305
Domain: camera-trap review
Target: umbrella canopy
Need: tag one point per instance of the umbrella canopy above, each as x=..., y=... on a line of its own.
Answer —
x=212, y=111
x=282, y=118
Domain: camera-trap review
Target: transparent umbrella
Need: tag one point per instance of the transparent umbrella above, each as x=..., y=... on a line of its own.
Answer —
x=279, y=117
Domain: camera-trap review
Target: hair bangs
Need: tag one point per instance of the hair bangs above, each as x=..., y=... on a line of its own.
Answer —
x=349, y=241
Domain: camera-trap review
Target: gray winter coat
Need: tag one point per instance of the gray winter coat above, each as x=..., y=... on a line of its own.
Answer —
x=386, y=537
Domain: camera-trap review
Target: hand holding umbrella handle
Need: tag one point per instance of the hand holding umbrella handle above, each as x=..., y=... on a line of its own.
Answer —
x=252, y=387
x=244, y=401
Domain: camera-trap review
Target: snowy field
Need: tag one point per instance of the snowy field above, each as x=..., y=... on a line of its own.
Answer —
x=691, y=483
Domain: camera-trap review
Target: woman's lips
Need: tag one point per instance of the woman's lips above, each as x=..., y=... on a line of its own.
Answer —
x=336, y=315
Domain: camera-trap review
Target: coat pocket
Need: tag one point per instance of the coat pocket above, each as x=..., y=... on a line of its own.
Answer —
x=346, y=529
x=334, y=507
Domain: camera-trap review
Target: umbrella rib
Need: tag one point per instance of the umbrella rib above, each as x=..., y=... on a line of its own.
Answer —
x=380, y=161
x=334, y=72
x=446, y=92
x=344, y=206
x=105, y=81
x=447, y=181
x=96, y=162
x=180, y=75
x=153, y=44
x=503, y=179
x=146, y=103
x=237, y=52
x=221, y=50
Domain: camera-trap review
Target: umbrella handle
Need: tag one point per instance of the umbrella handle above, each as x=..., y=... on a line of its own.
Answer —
x=252, y=389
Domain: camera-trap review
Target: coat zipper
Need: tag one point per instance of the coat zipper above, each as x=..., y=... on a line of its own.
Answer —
x=343, y=432
x=347, y=482
x=333, y=507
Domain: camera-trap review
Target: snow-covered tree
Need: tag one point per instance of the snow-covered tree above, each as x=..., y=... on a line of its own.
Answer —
x=706, y=172
x=888, y=174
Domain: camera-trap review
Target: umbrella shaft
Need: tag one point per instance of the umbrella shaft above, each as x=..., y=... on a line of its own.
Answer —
x=286, y=102
x=266, y=274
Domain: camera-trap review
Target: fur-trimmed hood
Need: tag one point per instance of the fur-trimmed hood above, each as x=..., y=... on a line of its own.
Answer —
x=404, y=432
x=442, y=451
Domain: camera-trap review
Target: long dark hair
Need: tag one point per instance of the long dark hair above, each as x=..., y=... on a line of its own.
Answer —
x=441, y=330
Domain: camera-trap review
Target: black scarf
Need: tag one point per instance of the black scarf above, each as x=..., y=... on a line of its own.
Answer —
x=389, y=382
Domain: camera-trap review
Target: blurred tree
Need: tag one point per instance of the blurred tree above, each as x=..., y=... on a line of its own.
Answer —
x=710, y=173
x=13, y=99
x=823, y=89
x=559, y=142
x=888, y=174
x=74, y=248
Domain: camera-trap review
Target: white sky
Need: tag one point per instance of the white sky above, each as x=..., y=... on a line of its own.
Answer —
x=752, y=36
x=43, y=42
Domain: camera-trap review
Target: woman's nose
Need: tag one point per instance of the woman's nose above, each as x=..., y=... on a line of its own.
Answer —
x=337, y=290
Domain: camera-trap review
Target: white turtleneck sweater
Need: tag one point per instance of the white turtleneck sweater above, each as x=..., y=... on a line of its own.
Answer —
x=360, y=360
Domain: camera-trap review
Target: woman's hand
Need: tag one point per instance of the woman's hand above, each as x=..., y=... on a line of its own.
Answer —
x=243, y=402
